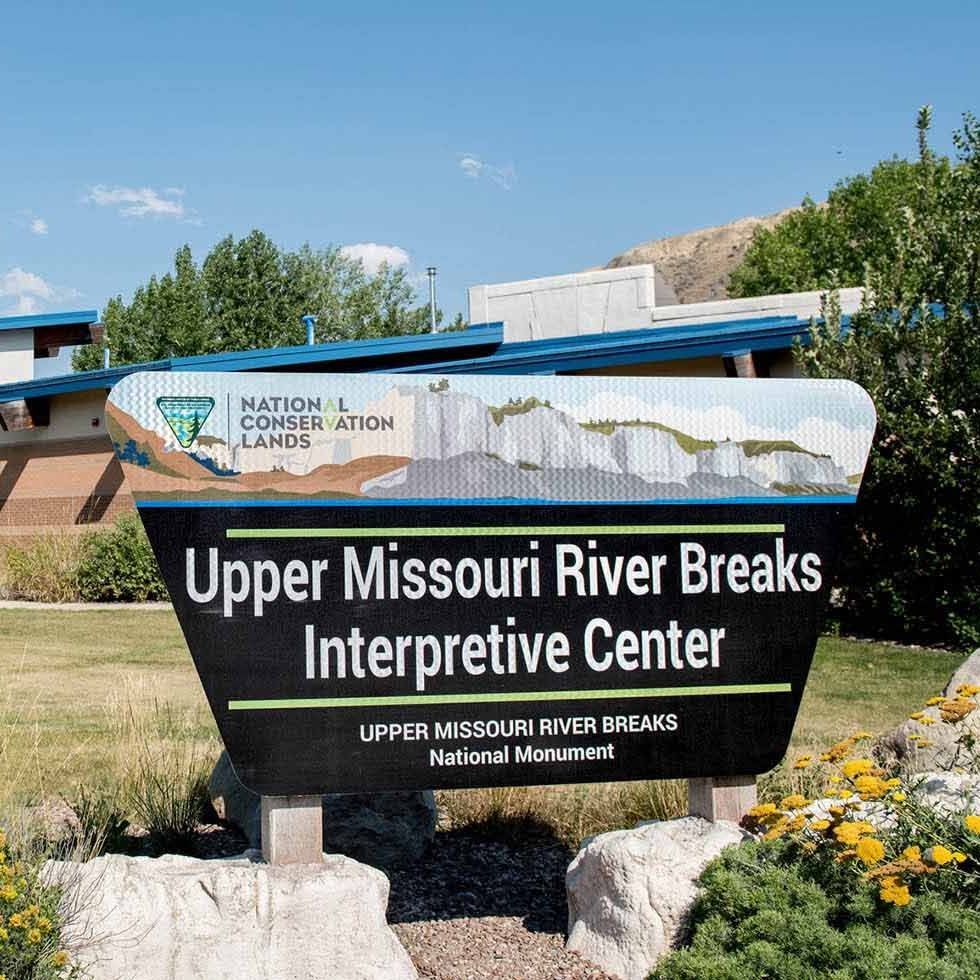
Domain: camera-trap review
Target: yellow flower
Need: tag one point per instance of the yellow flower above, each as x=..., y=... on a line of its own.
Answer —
x=869, y=851
x=917, y=715
x=8, y=893
x=932, y=702
x=34, y=936
x=973, y=823
x=870, y=787
x=899, y=797
x=803, y=761
x=851, y=832
x=856, y=767
x=959, y=857
x=860, y=736
x=927, y=721
x=894, y=891
x=794, y=802
x=968, y=690
x=819, y=824
x=956, y=709
x=59, y=959
x=938, y=855
x=762, y=810
x=912, y=854
x=4, y=935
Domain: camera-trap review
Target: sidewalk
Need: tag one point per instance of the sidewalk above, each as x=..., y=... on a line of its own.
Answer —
x=82, y=606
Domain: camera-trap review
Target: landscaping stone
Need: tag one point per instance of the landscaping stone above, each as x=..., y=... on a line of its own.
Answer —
x=940, y=751
x=380, y=829
x=948, y=791
x=179, y=918
x=630, y=891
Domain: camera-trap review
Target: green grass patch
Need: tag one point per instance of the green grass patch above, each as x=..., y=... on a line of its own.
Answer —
x=85, y=693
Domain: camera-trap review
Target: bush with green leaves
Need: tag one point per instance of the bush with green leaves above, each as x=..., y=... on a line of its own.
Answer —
x=118, y=565
x=30, y=921
x=910, y=233
x=769, y=910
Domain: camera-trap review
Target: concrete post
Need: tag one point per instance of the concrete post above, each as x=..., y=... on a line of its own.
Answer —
x=721, y=799
x=292, y=829
x=741, y=365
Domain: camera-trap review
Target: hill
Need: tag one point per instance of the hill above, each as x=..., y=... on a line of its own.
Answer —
x=697, y=264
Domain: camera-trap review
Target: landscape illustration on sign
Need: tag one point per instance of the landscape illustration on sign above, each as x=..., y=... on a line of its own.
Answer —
x=338, y=437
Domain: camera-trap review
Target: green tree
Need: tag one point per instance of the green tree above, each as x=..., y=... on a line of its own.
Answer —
x=248, y=293
x=821, y=245
x=913, y=567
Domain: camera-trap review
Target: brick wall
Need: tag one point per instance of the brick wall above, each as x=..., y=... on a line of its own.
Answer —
x=66, y=484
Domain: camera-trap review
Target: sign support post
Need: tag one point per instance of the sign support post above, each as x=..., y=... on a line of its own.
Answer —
x=721, y=799
x=292, y=829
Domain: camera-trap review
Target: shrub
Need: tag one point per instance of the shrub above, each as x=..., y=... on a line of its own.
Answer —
x=45, y=569
x=30, y=922
x=118, y=565
x=770, y=910
x=168, y=794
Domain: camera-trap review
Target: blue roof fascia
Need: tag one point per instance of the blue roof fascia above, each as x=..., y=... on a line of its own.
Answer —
x=484, y=336
x=590, y=351
x=64, y=384
x=487, y=335
x=31, y=321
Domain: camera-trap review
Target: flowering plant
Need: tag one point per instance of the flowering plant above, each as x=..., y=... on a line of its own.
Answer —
x=877, y=825
x=30, y=924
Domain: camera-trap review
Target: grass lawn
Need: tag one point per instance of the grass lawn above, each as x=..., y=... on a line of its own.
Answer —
x=80, y=689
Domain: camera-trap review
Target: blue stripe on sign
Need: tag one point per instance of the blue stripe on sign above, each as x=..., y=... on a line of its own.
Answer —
x=490, y=502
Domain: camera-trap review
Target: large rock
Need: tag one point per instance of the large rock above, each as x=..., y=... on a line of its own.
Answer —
x=630, y=891
x=381, y=829
x=178, y=918
x=940, y=752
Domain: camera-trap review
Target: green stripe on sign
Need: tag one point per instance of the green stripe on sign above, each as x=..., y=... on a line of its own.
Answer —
x=410, y=700
x=511, y=531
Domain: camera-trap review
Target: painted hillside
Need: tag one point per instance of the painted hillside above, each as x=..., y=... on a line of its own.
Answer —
x=450, y=444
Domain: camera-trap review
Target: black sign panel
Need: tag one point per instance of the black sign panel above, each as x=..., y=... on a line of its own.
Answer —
x=393, y=582
x=447, y=646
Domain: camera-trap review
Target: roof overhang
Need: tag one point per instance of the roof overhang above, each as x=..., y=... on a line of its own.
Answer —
x=477, y=350
x=52, y=331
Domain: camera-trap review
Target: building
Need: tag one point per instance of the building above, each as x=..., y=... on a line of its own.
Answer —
x=58, y=470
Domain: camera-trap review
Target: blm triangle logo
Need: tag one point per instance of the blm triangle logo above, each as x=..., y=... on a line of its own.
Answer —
x=185, y=416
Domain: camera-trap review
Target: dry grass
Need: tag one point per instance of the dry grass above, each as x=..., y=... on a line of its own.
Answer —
x=86, y=696
x=43, y=569
x=89, y=696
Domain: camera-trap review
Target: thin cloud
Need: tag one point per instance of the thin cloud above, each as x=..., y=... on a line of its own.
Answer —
x=27, y=292
x=372, y=256
x=477, y=169
x=39, y=226
x=142, y=202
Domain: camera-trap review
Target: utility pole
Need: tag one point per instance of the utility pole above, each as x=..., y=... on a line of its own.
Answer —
x=431, y=273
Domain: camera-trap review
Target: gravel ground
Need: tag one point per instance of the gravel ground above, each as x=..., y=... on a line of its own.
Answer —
x=481, y=909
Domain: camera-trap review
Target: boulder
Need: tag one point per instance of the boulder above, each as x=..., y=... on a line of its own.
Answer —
x=380, y=829
x=940, y=752
x=179, y=918
x=630, y=891
x=948, y=792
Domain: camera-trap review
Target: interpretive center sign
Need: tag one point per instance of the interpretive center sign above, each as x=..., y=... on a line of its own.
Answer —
x=393, y=582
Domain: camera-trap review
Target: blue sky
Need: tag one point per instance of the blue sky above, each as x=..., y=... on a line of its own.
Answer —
x=496, y=142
